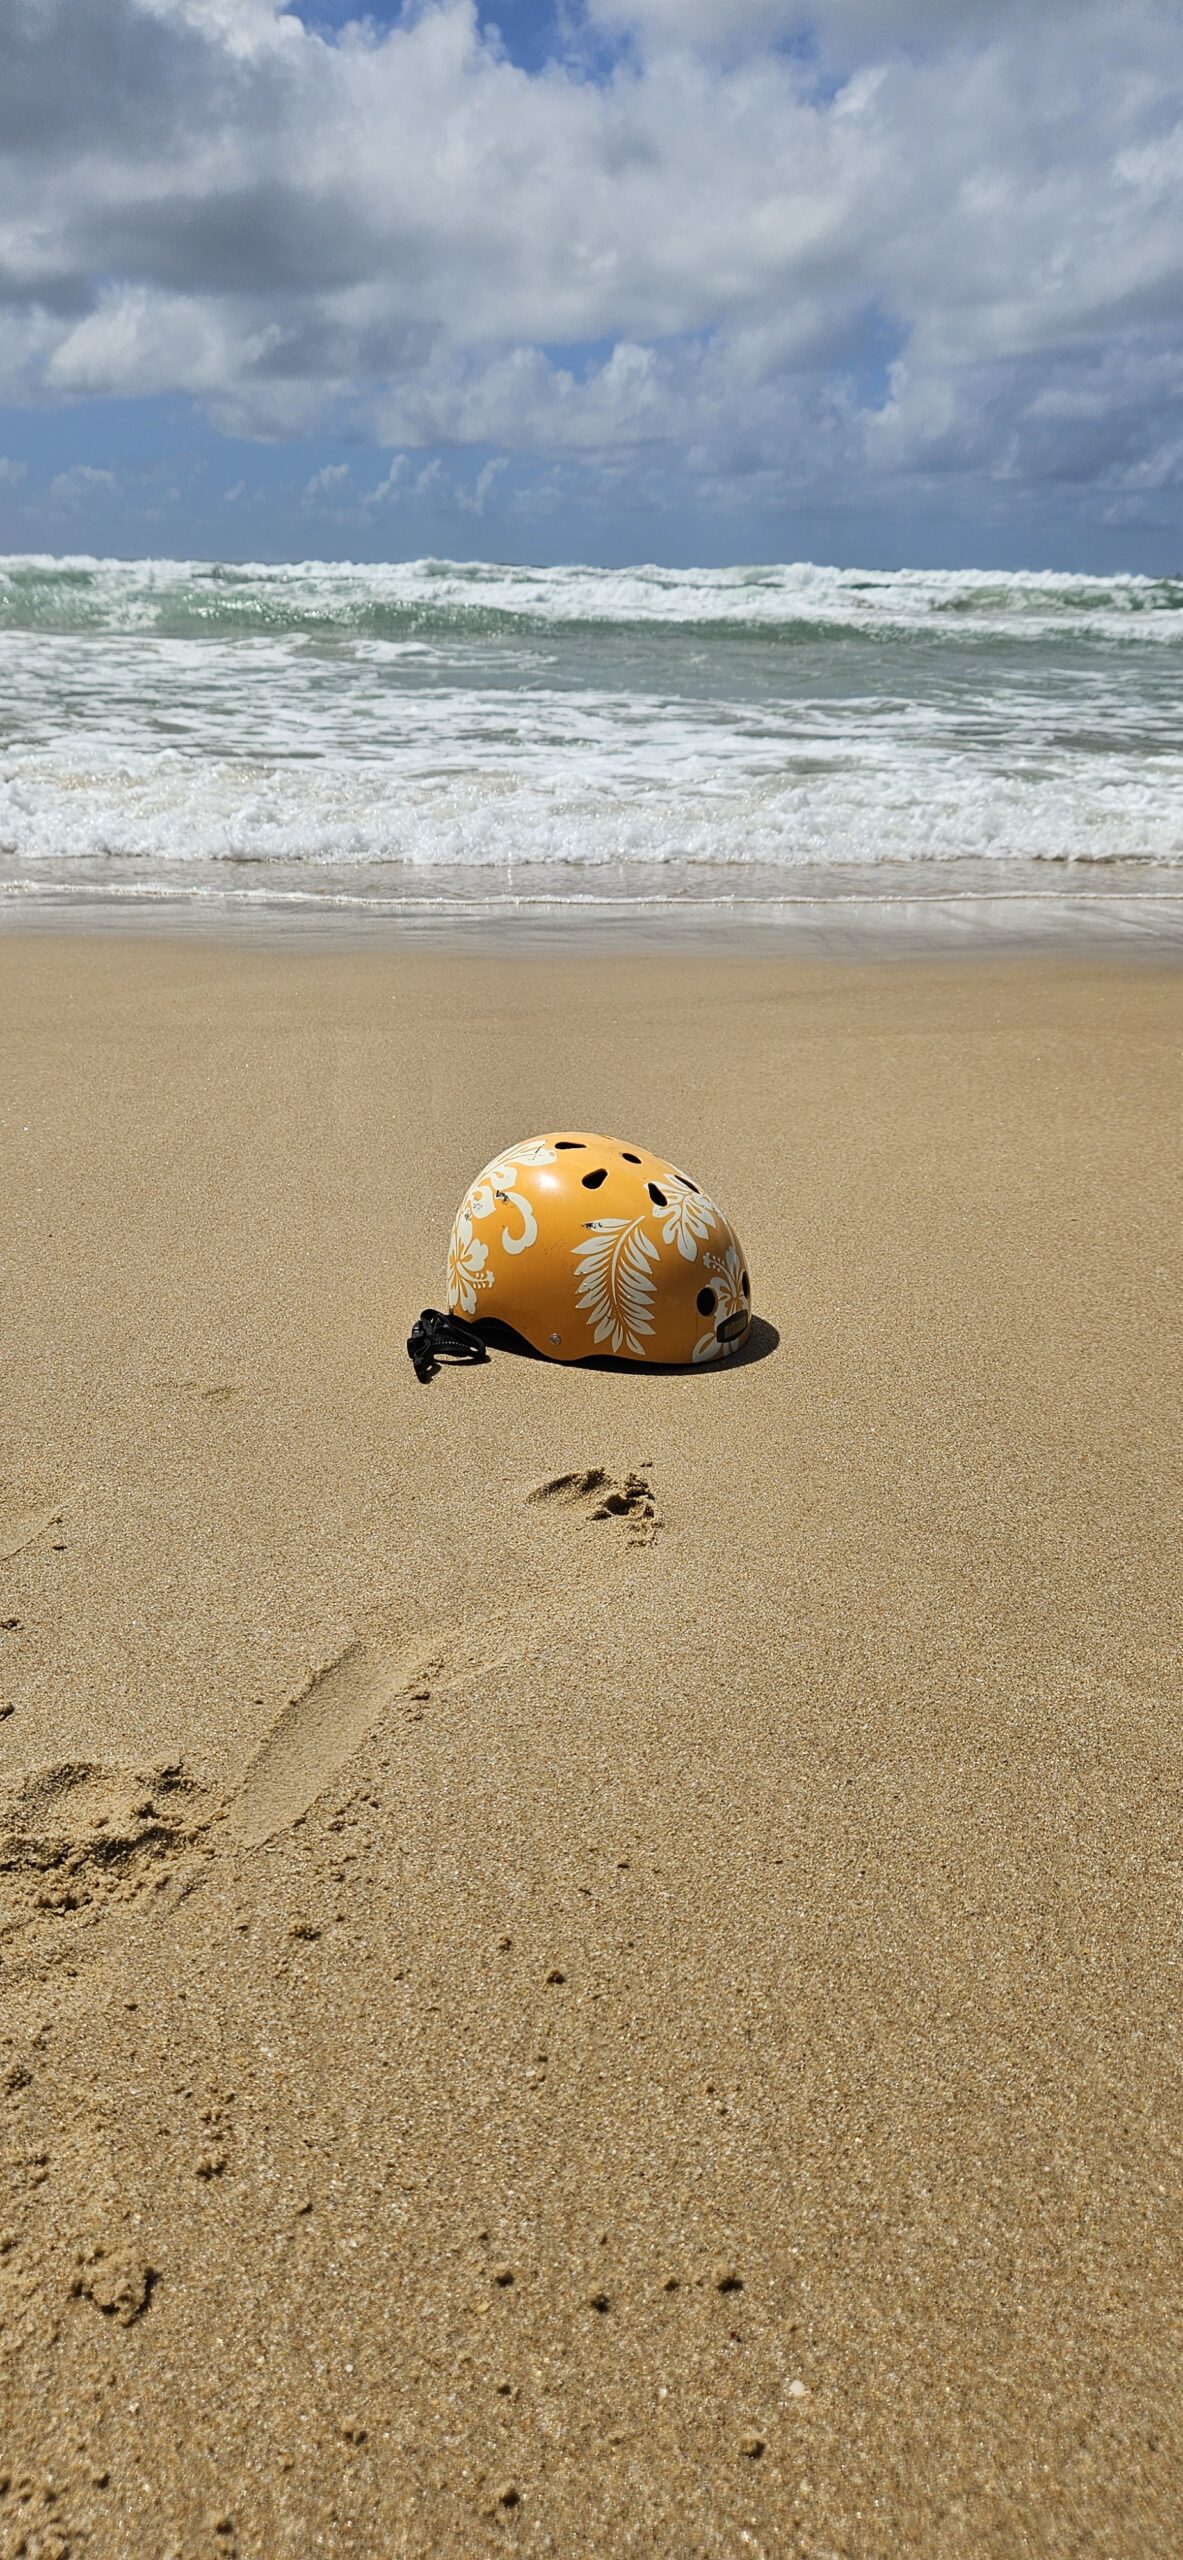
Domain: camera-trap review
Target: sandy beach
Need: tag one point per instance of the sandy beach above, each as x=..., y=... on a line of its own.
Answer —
x=528, y=2032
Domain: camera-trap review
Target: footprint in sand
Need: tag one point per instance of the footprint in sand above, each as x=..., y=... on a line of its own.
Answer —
x=338, y=1710
x=199, y=1390
x=599, y=1496
x=23, y=1520
x=317, y=1733
x=77, y=1837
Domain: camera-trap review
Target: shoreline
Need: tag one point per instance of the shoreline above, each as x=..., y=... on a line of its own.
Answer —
x=833, y=923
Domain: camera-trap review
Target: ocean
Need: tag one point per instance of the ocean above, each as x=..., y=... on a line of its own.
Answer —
x=438, y=736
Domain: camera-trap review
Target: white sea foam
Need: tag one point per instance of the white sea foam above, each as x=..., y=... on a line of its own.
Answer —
x=166, y=720
x=147, y=594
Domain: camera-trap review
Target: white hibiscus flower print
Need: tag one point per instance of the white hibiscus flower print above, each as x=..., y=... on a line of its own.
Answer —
x=690, y=1216
x=467, y=1256
x=726, y=1270
x=497, y=1178
x=496, y=1187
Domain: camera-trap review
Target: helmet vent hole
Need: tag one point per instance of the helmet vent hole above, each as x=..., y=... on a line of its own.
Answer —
x=592, y=1181
x=706, y=1302
x=568, y=1142
x=745, y=1284
x=657, y=1197
x=686, y=1182
x=629, y=1158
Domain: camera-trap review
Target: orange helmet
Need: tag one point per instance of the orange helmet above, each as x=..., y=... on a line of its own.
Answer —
x=583, y=1244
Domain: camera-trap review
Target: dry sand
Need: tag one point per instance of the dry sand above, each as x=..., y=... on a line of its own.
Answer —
x=520, y=2035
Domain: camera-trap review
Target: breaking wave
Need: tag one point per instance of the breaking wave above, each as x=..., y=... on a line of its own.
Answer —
x=652, y=731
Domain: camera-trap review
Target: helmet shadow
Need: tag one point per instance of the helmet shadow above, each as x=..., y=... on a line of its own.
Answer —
x=763, y=1339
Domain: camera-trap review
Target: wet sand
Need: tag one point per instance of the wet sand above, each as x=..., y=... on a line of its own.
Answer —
x=521, y=2031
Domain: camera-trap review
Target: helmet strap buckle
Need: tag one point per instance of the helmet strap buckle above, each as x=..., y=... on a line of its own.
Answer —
x=435, y=1336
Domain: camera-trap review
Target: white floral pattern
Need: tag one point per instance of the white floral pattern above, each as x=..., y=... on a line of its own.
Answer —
x=620, y=1265
x=616, y=1288
x=727, y=1271
x=690, y=1216
x=467, y=1256
x=497, y=1184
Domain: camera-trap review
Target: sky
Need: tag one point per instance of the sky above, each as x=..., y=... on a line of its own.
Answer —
x=877, y=282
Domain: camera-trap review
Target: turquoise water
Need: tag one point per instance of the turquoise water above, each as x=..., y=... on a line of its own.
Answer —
x=435, y=733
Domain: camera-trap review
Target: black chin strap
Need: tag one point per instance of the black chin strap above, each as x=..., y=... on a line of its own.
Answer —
x=435, y=1337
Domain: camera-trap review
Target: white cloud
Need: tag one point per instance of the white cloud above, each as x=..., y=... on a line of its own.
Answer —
x=434, y=485
x=391, y=488
x=871, y=238
x=853, y=27
x=81, y=483
x=330, y=483
x=11, y=473
x=714, y=26
x=474, y=501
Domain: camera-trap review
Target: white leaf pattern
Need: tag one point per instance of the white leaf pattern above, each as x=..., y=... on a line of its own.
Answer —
x=615, y=1282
